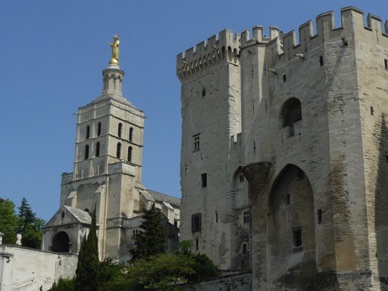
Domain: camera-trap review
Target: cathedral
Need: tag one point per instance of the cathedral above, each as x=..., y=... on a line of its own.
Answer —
x=284, y=154
x=107, y=177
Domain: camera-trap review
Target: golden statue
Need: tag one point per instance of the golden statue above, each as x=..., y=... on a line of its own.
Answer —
x=115, y=50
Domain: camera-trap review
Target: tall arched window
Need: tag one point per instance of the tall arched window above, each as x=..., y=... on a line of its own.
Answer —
x=131, y=134
x=86, y=152
x=97, y=149
x=87, y=132
x=120, y=129
x=99, y=129
x=129, y=154
x=118, y=150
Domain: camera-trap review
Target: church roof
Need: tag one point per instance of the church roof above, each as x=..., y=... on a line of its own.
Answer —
x=160, y=197
x=68, y=215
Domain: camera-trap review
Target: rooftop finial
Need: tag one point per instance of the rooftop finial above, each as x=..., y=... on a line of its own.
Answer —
x=115, y=50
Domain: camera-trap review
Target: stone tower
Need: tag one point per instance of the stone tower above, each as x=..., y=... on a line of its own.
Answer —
x=107, y=169
x=310, y=140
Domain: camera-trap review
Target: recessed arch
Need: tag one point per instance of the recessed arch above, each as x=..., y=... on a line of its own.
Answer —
x=291, y=221
x=60, y=242
x=290, y=113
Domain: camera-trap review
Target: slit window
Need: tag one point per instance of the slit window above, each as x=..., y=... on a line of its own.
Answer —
x=88, y=132
x=131, y=134
x=129, y=154
x=120, y=129
x=321, y=60
x=99, y=129
x=320, y=216
x=86, y=152
x=118, y=150
x=97, y=149
x=204, y=180
x=372, y=111
x=386, y=64
x=284, y=78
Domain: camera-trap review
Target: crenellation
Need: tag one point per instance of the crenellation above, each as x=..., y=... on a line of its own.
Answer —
x=224, y=45
x=303, y=101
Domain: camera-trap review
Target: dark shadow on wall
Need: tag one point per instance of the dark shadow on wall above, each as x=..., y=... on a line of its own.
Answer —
x=381, y=204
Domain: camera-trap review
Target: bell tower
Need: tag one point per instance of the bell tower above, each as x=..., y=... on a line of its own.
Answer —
x=107, y=171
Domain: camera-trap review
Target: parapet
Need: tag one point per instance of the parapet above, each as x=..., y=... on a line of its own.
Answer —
x=222, y=46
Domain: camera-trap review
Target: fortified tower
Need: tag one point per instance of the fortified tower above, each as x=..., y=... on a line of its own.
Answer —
x=313, y=148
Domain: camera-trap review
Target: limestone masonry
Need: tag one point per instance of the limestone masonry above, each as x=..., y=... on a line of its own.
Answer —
x=284, y=153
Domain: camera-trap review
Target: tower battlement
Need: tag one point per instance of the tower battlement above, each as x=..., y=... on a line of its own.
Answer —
x=225, y=44
x=352, y=20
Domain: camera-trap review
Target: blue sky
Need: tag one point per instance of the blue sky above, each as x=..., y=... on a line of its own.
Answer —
x=53, y=52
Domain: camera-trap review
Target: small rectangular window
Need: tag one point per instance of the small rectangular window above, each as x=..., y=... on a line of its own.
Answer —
x=386, y=64
x=204, y=180
x=297, y=237
x=216, y=216
x=246, y=217
x=372, y=110
x=196, y=223
x=320, y=216
x=196, y=142
x=321, y=60
x=284, y=78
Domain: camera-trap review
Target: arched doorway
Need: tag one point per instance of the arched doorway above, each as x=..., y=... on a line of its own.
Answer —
x=60, y=242
x=290, y=224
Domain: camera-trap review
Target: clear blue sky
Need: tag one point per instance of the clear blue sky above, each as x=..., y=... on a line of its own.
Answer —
x=53, y=52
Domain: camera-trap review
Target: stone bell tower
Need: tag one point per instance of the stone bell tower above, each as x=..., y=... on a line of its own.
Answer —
x=107, y=170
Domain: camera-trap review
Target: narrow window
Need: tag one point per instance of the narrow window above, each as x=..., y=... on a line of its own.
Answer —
x=129, y=154
x=120, y=129
x=131, y=134
x=88, y=132
x=196, y=244
x=203, y=92
x=372, y=111
x=99, y=129
x=196, y=223
x=196, y=142
x=86, y=152
x=297, y=237
x=288, y=198
x=386, y=64
x=321, y=60
x=320, y=216
x=284, y=78
x=244, y=248
x=118, y=150
x=246, y=217
x=216, y=216
x=97, y=149
x=204, y=180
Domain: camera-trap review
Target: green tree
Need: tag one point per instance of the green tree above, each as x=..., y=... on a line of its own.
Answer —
x=9, y=221
x=152, y=238
x=66, y=284
x=87, y=273
x=30, y=226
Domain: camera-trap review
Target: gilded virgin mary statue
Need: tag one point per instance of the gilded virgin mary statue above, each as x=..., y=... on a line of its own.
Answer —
x=115, y=45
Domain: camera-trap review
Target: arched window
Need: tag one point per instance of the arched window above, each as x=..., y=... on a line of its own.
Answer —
x=97, y=149
x=86, y=152
x=120, y=129
x=291, y=112
x=129, y=154
x=131, y=134
x=60, y=242
x=87, y=132
x=118, y=150
x=99, y=129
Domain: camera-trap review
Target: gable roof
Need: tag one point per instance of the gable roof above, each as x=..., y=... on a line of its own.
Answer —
x=160, y=197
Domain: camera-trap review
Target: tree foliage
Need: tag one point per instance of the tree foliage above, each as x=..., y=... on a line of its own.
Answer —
x=152, y=238
x=87, y=273
x=67, y=284
x=30, y=227
x=9, y=221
